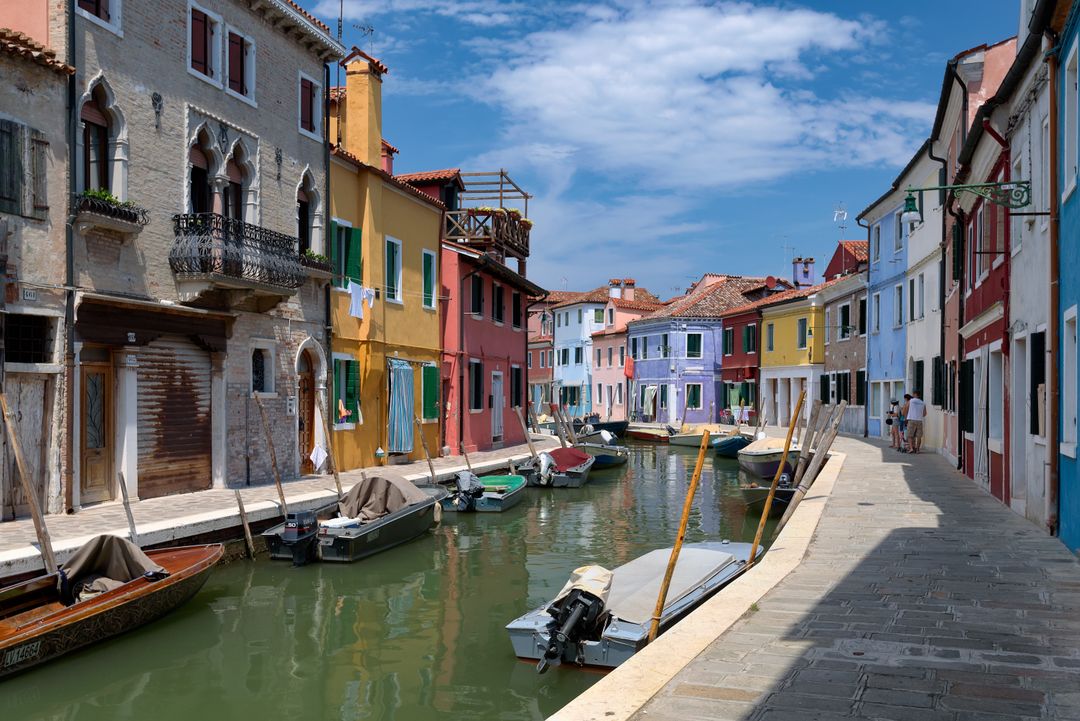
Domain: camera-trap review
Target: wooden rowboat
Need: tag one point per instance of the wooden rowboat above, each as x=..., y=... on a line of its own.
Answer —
x=36, y=626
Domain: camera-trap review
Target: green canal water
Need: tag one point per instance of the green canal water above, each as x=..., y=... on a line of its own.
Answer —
x=412, y=634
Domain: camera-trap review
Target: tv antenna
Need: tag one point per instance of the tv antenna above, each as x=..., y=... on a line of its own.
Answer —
x=368, y=31
x=839, y=217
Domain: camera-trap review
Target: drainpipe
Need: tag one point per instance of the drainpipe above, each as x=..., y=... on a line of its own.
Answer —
x=866, y=406
x=68, y=438
x=1053, y=379
x=943, y=179
x=959, y=217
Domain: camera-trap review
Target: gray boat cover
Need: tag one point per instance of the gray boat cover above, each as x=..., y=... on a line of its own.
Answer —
x=105, y=563
x=635, y=585
x=377, y=496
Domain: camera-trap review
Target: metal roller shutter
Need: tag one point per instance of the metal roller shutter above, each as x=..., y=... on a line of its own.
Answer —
x=174, y=418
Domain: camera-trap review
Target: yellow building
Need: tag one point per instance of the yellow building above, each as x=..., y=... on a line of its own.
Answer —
x=793, y=352
x=384, y=246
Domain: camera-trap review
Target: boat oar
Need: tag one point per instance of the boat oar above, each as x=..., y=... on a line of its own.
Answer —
x=423, y=444
x=273, y=456
x=40, y=529
x=661, y=600
x=525, y=430
x=775, y=480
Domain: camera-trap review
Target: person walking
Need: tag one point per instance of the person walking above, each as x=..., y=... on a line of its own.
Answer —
x=892, y=420
x=915, y=413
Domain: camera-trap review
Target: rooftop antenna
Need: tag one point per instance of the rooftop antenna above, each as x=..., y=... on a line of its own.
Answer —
x=368, y=31
x=564, y=282
x=839, y=217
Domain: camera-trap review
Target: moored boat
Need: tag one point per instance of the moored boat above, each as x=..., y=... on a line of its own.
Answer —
x=602, y=618
x=606, y=456
x=571, y=467
x=490, y=494
x=755, y=496
x=107, y=587
x=655, y=432
x=762, y=457
x=691, y=435
x=729, y=446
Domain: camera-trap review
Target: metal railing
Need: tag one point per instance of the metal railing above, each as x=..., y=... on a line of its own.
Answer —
x=209, y=244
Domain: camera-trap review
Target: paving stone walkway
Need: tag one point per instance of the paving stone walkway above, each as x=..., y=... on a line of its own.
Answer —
x=921, y=598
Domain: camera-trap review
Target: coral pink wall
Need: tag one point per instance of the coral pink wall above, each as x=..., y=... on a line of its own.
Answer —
x=30, y=17
x=610, y=375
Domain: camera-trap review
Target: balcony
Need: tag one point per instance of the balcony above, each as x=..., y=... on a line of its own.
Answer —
x=222, y=262
x=492, y=229
x=101, y=213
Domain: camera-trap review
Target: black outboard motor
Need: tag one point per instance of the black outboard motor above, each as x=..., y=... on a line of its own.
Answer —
x=576, y=617
x=469, y=488
x=300, y=536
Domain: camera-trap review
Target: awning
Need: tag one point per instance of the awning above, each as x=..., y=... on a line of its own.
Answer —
x=109, y=319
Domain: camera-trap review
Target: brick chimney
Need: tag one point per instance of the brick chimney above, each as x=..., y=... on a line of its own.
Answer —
x=388, y=157
x=802, y=271
x=363, y=111
x=628, y=288
x=615, y=288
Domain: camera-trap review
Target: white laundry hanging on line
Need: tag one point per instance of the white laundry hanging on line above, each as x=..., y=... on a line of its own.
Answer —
x=356, y=300
x=318, y=454
x=369, y=296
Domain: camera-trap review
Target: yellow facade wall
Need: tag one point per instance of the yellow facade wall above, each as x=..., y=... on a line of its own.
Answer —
x=785, y=320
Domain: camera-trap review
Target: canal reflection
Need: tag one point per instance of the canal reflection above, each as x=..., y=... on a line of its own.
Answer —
x=412, y=634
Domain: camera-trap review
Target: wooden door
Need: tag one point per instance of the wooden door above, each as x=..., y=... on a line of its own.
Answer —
x=305, y=410
x=96, y=433
x=27, y=397
x=497, y=403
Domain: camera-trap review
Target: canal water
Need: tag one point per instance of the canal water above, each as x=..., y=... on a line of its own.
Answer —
x=413, y=634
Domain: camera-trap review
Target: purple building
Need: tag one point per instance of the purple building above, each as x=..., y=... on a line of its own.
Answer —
x=677, y=351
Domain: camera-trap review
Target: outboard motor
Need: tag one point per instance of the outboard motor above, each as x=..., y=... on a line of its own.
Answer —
x=577, y=613
x=607, y=438
x=469, y=488
x=300, y=535
x=547, y=468
x=586, y=430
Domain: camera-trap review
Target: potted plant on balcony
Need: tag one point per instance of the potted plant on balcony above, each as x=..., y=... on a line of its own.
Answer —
x=104, y=203
x=526, y=223
x=513, y=213
x=315, y=261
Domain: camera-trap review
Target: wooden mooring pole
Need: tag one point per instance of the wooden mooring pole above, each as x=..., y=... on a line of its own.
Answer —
x=273, y=456
x=247, y=527
x=127, y=508
x=775, y=481
x=525, y=430
x=423, y=444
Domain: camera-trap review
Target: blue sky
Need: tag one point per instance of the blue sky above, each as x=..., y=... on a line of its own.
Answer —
x=663, y=139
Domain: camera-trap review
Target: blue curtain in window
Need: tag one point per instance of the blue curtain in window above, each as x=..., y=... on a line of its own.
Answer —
x=400, y=425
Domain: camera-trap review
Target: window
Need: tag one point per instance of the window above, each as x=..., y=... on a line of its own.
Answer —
x=611, y=316
x=345, y=253
x=749, y=338
x=310, y=109
x=551, y=359
x=515, y=310
x=498, y=303
x=566, y=319
x=937, y=381
x=392, y=288
x=693, y=396
x=346, y=392
x=663, y=396
x=1071, y=108
x=429, y=393
x=729, y=341
x=558, y=320
x=769, y=334
x=828, y=324
x=801, y=334
x=664, y=345
x=517, y=387
x=103, y=12
x=16, y=142
x=824, y=390
x=240, y=56
x=610, y=355
x=860, y=388
x=967, y=396
x=1037, y=383
x=875, y=244
x=543, y=359
x=912, y=300
x=578, y=355
x=429, y=279
x=528, y=360
x=1044, y=164
x=645, y=347
x=599, y=393
x=875, y=400
x=566, y=356
x=898, y=306
x=598, y=316
x=622, y=356
x=580, y=316
x=922, y=295
x=898, y=240
x=1068, y=378
x=598, y=357
x=477, y=305
x=918, y=381
x=204, y=44
x=27, y=338
x=875, y=325
x=633, y=348
x=476, y=385
x=262, y=368
x=693, y=345
x=862, y=316
x=844, y=331
x=843, y=387
x=618, y=395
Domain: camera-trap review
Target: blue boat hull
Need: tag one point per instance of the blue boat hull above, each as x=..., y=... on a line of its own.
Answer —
x=730, y=446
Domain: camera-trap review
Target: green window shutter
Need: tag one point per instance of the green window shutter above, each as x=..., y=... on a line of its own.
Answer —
x=352, y=388
x=355, y=267
x=429, y=281
x=430, y=381
x=11, y=167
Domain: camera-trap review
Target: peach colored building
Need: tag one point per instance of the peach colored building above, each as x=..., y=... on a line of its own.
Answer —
x=612, y=386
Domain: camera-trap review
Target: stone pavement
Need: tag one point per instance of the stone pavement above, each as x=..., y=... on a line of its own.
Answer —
x=170, y=518
x=920, y=598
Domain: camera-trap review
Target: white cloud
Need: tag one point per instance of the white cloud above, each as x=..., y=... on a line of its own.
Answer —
x=483, y=13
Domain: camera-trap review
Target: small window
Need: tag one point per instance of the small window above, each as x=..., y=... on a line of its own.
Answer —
x=898, y=240
x=770, y=333
x=844, y=331
x=498, y=303
x=750, y=338
x=310, y=109
x=663, y=396
x=898, y=306
x=262, y=371
x=477, y=305
x=517, y=383
x=610, y=356
x=645, y=348
x=240, y=56
x=875, y=326
x=729, y=341
x=97, y=8
x=693, y=396
x=429, y=279
x=875, y=250
x=598, y=357
x=27, y=338
x=528, y=360
x=345, y=252
x=393, y=270
x=693, y=345
x=862, y=316
x=633, y=348
x=580, y=316
x=802, y=334
x=664, y=349
x=346, y=391
x=598, y=316
x=622, y=356
x=429, y=392
x=578, y=355
x=611, y=316
x=204, y=46
x=515, y=310
x=476, y=385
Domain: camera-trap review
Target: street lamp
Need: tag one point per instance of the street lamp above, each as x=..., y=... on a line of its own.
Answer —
x=911, y=212
x=1012, y=194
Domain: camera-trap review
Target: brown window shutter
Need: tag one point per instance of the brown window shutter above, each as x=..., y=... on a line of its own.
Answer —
x=198, y=158
x=39, y=149
x=307, y=98
x=236, y=64
x=199, y=41
x=91, y=112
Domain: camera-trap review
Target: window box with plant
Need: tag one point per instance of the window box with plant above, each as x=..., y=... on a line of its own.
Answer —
x=101, y=210
x=316, y=263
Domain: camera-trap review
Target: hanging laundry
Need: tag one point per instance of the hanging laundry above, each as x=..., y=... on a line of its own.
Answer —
x=356, y=300
x=369, y=295
x=318, y=457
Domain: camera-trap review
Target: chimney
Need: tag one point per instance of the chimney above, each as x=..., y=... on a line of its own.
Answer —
x=628, y=288
x=802, y=271
x=363, y=111
x=387, y=158
x=615, y=288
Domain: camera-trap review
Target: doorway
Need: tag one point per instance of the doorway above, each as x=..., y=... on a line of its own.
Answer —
x=497, y=403
x=305, y=411
x=96, y=432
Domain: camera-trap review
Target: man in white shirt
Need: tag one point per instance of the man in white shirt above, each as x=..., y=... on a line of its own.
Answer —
x=915, y=412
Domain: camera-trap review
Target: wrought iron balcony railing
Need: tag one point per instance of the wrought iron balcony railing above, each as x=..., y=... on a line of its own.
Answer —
x=208, y=245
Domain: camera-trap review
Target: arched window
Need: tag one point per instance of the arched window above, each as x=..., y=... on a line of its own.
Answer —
x=95, y=136
x=233, y=191
x=303, y=220
x=199, y=185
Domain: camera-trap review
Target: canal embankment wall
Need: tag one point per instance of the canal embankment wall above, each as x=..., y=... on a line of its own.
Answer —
x=626, y=690
x=212, y=516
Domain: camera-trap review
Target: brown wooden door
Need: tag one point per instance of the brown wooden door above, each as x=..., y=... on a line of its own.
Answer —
x=27, y=396
x=96, y=433
x=305, y=409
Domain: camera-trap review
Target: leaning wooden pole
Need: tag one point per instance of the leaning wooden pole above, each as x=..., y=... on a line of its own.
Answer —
x=808, y=438
x=127, y=509
x=569, y=426
x=40, y=529
x=273, y=456
x=247, y=528
x=466, y=457
x=525, y=430
x=328, y=430
x=775, y=481
x=427, y=455
x=661, y=600
x=808, y=479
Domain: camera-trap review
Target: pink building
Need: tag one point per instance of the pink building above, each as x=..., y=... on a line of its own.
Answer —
x=612, y=386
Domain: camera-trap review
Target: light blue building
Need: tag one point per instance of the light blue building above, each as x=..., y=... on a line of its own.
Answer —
x=886, y=345
x=575, y=322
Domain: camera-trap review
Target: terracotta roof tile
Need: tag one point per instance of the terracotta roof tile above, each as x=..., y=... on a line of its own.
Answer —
x=602, y=295
x=304, y=13
x=429, y=175
x=859, y=249
x=16, y=43
x=346, y=155
x=386, y=144
x=784, y=296
x=373, y=61
x=710, y=301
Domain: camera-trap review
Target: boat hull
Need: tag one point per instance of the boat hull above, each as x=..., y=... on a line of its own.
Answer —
x=765, y=465
x=352, y=544
x=134, y=604
x=575, y=477
x=606, y=456
x=648, y=433
x=730, y=446
x=492, y=502
x=756, y=496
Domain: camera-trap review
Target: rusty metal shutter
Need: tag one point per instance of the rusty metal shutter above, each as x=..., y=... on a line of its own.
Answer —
x=174, y=418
